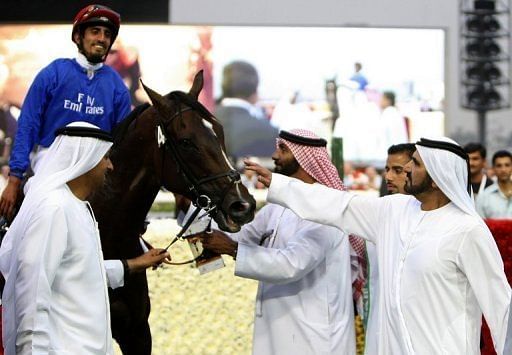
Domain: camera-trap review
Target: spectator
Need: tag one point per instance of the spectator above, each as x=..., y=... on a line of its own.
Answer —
x=496, y=200
x=398, y=156
x=394, y=128
x=477, y=164
x=359, y=77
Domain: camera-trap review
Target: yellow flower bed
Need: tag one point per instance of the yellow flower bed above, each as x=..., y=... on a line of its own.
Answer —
x=193, y=314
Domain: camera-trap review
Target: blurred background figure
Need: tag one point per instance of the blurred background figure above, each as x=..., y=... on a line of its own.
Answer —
x=477, y=166
x=125, y=60
x=394, y=128
x=374, y=178
x=359, y=77
x=247, y=130
x=354, y=178
x=9, y=113
x=4, y=175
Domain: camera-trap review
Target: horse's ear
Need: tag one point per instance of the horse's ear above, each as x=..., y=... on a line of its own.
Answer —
x=156, y=99
x=197, y=86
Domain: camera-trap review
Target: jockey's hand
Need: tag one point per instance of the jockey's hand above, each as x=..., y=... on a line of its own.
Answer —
x=219, y=243
x=152, y=257
x=9, y=197
x=264, y=175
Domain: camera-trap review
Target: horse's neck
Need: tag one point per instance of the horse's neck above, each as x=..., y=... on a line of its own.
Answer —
x=121, y=208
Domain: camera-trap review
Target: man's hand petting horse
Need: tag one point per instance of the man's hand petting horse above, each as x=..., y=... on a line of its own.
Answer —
x=264, y=175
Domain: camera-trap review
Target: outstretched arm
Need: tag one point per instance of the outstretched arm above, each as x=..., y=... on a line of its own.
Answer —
x=153, y=257
x=354, y=214
x=118, y=270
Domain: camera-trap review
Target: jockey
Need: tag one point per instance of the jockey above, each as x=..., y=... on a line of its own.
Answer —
x=69, y=90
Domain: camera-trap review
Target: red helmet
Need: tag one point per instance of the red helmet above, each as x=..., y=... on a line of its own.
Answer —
x=92, y=15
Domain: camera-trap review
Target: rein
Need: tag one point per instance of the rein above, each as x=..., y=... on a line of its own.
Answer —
x=179, y=236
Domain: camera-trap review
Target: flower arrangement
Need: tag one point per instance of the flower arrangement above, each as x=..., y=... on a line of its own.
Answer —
x=501, y=230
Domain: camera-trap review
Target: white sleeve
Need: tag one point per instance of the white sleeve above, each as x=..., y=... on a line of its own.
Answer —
x=301, y=255
x=480, y=260
x=354, y=214
x=41, y=251
x=253, y=232
x=115, y=273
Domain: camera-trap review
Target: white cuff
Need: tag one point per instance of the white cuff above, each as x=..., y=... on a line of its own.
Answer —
x=115, y=273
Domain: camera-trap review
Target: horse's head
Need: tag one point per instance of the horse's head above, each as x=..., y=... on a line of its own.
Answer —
x=193, y=160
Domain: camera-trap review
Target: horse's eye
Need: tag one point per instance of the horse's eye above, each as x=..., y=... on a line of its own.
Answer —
x=186, y=144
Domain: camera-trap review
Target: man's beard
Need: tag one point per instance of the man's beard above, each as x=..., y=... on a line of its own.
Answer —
x=287, y=169
x=91, y=57
x=424, y=186
x=94, y=58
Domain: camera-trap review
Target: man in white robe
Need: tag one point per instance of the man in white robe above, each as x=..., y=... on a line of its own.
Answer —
x=439, y=266
x=304, y=301
x=55, y=299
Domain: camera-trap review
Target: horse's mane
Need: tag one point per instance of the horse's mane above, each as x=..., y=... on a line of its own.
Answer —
x=120, y=130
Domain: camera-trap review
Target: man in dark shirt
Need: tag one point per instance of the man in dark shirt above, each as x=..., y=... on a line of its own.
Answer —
x=247, y=130
x=477, y=154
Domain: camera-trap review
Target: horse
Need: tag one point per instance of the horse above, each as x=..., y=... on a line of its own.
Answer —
x=175, y=143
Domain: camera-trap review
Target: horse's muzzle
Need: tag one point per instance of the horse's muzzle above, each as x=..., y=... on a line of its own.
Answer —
x=241, y=211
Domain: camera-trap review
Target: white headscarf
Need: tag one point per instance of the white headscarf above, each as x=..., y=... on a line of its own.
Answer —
x=450, y=172
x=68, y=158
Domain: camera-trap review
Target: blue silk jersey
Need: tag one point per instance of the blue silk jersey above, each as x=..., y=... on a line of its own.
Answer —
x=60, y=94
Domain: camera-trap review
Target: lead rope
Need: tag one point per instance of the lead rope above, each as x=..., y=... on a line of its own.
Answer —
x=179, y=236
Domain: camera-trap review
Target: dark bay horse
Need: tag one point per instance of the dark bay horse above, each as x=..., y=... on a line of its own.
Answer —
x=177, y=144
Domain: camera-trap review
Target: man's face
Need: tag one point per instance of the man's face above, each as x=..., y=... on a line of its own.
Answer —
x=418, y=181
x=384, y=102
x=395, y=175
x=476, y=163
x=97, y=174
x=284, y=161
x=95, y=43
x=503, y=169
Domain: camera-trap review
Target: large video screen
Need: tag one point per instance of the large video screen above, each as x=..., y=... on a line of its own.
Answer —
x=295, y=66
